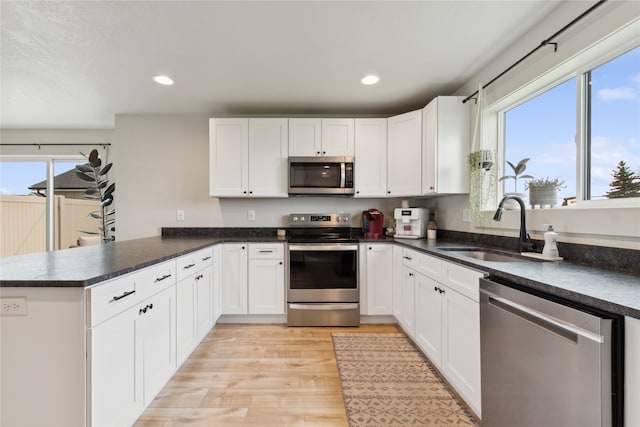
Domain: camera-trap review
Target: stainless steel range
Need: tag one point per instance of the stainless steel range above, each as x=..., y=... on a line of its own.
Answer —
x=323, y=286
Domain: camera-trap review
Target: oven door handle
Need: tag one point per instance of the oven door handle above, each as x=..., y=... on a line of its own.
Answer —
x=321, y=306
x=323, y=247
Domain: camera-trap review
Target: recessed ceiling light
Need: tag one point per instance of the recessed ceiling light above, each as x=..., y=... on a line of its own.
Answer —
x=163, y=80
x=370, y=80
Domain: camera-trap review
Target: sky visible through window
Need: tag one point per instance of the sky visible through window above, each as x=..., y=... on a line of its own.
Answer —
x=17, y=177
x=544, y=128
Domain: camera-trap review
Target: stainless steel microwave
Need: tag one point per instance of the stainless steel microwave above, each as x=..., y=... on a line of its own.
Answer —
x=321, y=176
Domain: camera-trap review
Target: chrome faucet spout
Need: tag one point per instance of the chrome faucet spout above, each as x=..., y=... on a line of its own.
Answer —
x=524, y=242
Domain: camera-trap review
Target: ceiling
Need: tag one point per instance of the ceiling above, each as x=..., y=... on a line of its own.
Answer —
x=75, y=64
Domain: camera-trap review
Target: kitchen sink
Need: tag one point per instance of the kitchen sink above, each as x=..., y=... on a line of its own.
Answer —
x=484, y=255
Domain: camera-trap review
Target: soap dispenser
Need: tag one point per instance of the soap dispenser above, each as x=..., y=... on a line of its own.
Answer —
x=550, y=249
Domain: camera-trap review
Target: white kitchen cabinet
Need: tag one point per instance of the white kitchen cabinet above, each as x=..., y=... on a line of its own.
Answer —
x=371, y=158
x=407, y=315
x=234, y=278
x=429, y=317
x=158, y=336
x=193, y=301
x=461, y=345
x=398, y=274
x=131, y=350
x=404, y=154
x=445, y=146
x=116, y=371
x=268, y=158
x=447, y=325
x=321, y=137
x=216, y=294
x=248, y=157
x=379, y=278
x=266, y=278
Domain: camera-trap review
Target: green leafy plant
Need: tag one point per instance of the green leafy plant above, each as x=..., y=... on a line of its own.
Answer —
x=101, y=191
x=545, y=183
x=518, y=171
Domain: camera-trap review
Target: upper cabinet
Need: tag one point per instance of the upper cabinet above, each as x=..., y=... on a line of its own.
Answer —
x=248, y=157
x=445, y=146
x=371, y=158
x=404, y=148
x=321, y=137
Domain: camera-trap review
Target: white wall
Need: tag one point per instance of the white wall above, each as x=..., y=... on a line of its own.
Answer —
x=163, y=159
x=618, y=227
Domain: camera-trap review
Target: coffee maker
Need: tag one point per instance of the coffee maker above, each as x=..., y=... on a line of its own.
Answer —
x=411, y=223
x=372, y=223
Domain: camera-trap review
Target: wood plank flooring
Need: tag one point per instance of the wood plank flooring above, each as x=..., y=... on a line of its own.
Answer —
x=257, y=375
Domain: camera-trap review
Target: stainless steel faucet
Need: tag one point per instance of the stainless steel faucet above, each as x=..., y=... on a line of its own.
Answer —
x=525, y=244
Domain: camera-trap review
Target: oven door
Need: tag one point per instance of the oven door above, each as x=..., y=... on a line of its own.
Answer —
x=323, y=272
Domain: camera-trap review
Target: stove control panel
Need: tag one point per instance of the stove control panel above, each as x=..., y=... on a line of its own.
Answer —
x=320, y=220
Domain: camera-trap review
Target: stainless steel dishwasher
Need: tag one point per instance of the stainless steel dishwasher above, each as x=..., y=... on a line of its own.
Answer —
x=544, y=363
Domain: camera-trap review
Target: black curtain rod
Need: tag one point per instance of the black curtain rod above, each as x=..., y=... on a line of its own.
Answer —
x=101, y=144
x=541, y=45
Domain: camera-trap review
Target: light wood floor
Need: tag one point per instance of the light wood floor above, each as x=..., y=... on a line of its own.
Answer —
x=256, y=375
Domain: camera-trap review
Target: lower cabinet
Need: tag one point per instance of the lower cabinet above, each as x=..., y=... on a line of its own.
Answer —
x=194, y=305
x=407, y=301
x=132, y=358
x=376, y=278
x=234, y=278
x=253, y=278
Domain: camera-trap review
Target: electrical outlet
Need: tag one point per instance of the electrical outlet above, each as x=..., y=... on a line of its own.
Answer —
x=465, y=215
x=251, y=215
x=180, y=215
x=13, y=306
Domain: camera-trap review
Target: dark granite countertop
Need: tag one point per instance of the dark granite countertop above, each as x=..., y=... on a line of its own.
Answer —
x=84, y=266
x=87, y=265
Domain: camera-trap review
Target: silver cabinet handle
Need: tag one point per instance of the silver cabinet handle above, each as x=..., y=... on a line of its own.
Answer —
x=160, y=279
x=266, y=251
x=186, y=267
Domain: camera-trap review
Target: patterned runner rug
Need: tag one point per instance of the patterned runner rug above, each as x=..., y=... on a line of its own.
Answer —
x=387, y=382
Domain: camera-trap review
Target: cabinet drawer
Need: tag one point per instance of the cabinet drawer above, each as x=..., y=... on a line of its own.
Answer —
x=110, y=298
x=190, y=263
x=464, y=280
x=266, y=250
x=409, y=258
x=429, y=266
x=153, y=279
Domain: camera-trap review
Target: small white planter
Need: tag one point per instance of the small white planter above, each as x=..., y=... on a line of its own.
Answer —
x=543, y=197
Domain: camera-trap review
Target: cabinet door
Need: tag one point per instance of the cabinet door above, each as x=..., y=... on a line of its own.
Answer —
x=371, y=158
x=268, y=153
x=266, y=286
x=187, y=332
x=445, y=139
x=407, y=319
x=404, y=145
x=115, y=366
x=379, y=279
x=337, y=137
x=429, y=317
x=398, y=276
x=234, y=278
x=305, y=137
x=158, y=336
x=228, y=157
x=429, y=147
x=461, y=346
x=204, y=305
x=216, y=296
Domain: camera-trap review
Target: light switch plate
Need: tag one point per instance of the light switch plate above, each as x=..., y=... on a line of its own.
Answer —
x=251, y=215
x=180, y=215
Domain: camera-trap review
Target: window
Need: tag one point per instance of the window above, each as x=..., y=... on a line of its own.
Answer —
x=595, y=153
x=613, y=126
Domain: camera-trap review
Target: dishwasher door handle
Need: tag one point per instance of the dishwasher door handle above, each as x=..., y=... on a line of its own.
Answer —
x=559, y=327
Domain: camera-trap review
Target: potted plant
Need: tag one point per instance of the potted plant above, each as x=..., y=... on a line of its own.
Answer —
x=100, y=190
x=518, y=173
x=543, y=191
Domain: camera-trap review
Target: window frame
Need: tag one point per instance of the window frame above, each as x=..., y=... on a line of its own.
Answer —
x=613, y=46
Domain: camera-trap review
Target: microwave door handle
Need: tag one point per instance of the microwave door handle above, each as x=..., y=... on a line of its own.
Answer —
x=342, y=175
